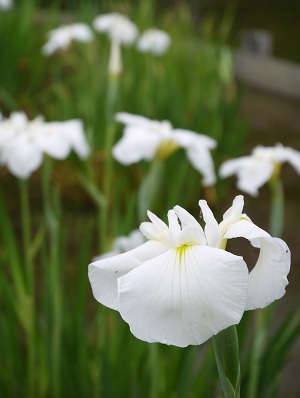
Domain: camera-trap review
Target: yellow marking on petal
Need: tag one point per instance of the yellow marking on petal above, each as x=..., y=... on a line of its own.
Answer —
x=181, y=252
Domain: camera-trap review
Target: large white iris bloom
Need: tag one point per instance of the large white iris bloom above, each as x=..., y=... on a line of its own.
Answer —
x=144, y=139
x=255, y=170
x=61, y=37
x=23, y=142
x=180, y=287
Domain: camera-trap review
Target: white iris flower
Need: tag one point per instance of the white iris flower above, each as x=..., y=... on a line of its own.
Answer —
x=61, y=38
x=154, y=41
x=23, y=142
x=120, y=30
x=181, y=287
x=145, y=139
x=255, y=170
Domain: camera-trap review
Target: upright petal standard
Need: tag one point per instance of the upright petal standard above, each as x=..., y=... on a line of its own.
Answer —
x=181, y=287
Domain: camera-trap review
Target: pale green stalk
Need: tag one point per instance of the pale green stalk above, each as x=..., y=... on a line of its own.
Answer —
x=277, y=207
x=154, y=370
x=149, y=188
x=226, y=347
x=54, y=280
x=28, y=310
x=111, y=100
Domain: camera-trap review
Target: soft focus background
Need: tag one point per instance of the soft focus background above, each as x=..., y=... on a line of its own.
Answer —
x=232, y=73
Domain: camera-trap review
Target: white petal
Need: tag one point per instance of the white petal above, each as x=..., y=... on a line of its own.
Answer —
x=103, y=274
x=268, y=279
x=183, y=298
x=245, y=229
x=135, y=145
x=250, y=179
x=52, y=141
x=212, y=230
x=22, y=160
x=294, y=158
x=129, y=119
x=233, y=214
x=156, y=229
x=73, y=130
x=233, y=166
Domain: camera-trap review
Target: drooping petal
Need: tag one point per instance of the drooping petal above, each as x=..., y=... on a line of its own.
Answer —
x=212, y=230
x=251, y=178
x=135, y=145
x=268, y=279
x=197, y=147
x=233, y=166
x=103, y=274
x=23, y=158
x=201, y=159
x=184, y=296
x=245, y=229
x=293, y=157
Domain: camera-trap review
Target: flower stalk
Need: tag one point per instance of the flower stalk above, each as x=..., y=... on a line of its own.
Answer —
x=226, y=348
x=28, y=321
x=111, y=101
x=277, y=206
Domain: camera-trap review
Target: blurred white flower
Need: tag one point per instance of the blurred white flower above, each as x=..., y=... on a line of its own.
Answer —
x=62, y=37
x=120, y=30
x=181, y=287
x=154, y=41
x=145, y=139
x=6, y=4
x=123, y=244
x=23, y=142
x=117, y=26
x=255, y=170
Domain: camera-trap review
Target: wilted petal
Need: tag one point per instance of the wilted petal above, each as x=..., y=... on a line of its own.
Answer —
x=184, y=296
x=103, y=274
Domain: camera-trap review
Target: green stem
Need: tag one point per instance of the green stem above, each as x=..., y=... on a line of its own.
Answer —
x=277, y=207
x=54, y=280
x=154, y=370
x=149, y=188
x=112, y=96
x=27, y=314
x=259, y=342
x=226, y=349
x=26, y=230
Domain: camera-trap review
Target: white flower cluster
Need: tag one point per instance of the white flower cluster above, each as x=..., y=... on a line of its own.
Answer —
x=119, y=28
x=23, y=142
